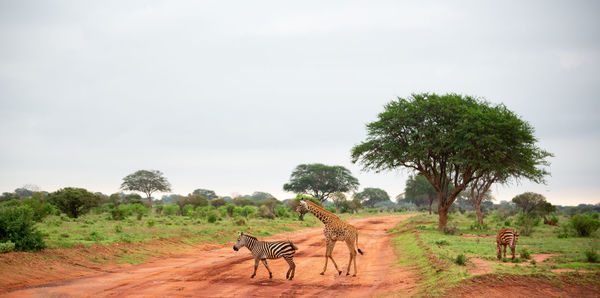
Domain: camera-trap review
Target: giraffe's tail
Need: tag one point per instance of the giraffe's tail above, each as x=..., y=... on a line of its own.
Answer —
x=360, y=251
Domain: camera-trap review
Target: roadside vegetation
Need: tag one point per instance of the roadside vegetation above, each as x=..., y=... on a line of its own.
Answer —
x=466, y=249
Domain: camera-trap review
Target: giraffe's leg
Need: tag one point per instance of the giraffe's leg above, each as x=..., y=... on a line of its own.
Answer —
x=350, y=244
x=332, y=260
x=255, y=267
x=328, y=243
x=265, y=262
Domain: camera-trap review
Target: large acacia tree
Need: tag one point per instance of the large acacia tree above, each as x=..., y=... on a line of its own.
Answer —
x=451, y=139
x=320, y=181
x=147, y=182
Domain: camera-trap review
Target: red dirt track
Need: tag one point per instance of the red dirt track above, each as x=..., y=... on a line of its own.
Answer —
x=223, y=272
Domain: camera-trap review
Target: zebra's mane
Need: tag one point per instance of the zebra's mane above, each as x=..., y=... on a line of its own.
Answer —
x=249, y=236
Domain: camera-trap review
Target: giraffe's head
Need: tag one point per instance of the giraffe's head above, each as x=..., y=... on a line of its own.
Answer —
x=241, y=242
x=303, y=206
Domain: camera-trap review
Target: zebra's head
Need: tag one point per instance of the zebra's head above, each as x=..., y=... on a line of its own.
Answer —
x=241, y=242
x=302, y=206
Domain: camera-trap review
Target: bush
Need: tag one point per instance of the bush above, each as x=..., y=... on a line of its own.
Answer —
x=121, y=212
x=525, y=254
x=7, y=247
x=554, y=218
x=460, y=260
x=282, y=211
x=118, y=229
x=527, y=221
x=212, y=217
x=477, y=226
x=17, y=226
x=95, y=236
x=591, y=255
x=240, y=221
x=450, y=230
x=188, y=210
x=265, y=212
x=170, y=210
x=584, y=224
x=140, y=210
x=150, y=223
x=533, y=262
x=248, y=211
x=442, y=242
x=330, y=209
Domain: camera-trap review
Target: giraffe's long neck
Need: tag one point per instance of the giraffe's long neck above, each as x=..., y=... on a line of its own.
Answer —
x=323, y=215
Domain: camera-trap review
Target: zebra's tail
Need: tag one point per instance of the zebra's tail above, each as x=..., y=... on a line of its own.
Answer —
x=360, y=251
x=293, y=245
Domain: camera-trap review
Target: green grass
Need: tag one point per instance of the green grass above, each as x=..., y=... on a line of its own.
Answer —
x=63, y=232
x=436, y=257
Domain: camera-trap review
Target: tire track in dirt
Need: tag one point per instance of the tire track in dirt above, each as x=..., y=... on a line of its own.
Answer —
x=223, y=272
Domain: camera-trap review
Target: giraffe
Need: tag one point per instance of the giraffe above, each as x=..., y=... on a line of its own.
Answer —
x=335, y=230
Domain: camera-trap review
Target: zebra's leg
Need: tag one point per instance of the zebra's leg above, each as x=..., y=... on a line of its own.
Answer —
x=512, y=249
x=265, y=262
x=504, y=246
x=255, y=267
x=292, y=270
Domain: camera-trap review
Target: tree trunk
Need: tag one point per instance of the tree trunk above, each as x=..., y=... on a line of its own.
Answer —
x=150, y=202
x=478, y=210
x=443, y=216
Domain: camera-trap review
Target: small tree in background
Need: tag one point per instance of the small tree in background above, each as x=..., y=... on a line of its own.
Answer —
x=73, y=201
x=529, y=202
x=419, y=191
x=320, y=181
x=371, y=196
x=206, y=193
x=147, y=182
x=338, y=199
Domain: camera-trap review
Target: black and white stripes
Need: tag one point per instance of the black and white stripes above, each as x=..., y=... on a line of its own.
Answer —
x=263, y=250
x=506, y=237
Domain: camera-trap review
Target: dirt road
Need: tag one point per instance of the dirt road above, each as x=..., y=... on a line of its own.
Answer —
x=223, y=272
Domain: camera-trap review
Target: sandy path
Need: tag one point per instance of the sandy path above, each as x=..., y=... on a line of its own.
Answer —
x=223, y=272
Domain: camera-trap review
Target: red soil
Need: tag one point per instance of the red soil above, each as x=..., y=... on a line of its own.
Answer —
x=222, y=272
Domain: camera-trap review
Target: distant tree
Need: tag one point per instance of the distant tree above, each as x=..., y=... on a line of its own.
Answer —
x=419, y=191
x=243, y=202
x=320, y=181
x=451, y=139
x=338, y=199
x=218, y=202
x=545, y=209
x=355, y=205
x=191, y=199
x=529, y=202
x=7, y=196
x=259, y=195
x=73, y=201
x=206, y=193
x=479, y=191
x=116, y=198
x=147, y=182
x=371, y=196
x=132, y=198
x=271, y=203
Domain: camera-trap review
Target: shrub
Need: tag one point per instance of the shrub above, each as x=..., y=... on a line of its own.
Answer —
x=73, y=201
x=121, y=212
x=150, y=223
x=265, y=212
x=17, y=226
x=450, y=230
x=527, y=221
x=248, y=211
x=170, y=210
x=7, y=247
x=140, y=210
x=158, y=209
x=533, y=262
x=442, y=242
x=240, y=221
x=460, y=260
x=282, y=211
x=212, y=217
x=508, y=223
x=591, y=255
x=188, y=210
x=584, y=224
x=118, y=229
x=470, y=214
x=94, y=236
x=330, y=209
x=525, y=254
x=554, y=218
x=477, y=226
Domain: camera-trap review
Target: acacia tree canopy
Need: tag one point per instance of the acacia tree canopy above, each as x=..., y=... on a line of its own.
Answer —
x=419, y=191
x=147, y=182
x=320, y=181
x=451, y=139
x=371, y=196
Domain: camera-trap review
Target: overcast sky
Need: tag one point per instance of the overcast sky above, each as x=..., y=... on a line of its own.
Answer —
x=232, y=96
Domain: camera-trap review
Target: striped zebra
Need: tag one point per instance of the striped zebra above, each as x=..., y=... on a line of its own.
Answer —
x=506, y=237
x=263, y=250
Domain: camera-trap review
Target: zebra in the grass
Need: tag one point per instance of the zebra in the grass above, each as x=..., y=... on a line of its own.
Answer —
x=506, y=237
x=263, y=250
